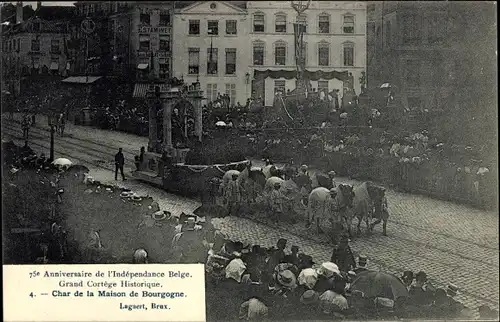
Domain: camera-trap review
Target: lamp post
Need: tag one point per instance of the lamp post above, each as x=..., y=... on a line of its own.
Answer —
x=52, y=125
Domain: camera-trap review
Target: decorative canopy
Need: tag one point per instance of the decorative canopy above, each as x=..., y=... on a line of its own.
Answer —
x=291, y=74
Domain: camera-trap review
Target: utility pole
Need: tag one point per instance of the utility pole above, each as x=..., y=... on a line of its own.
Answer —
x=299, y=28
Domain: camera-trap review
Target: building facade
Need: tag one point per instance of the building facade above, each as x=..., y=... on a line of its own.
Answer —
x=211, y=45
x=132, y=38
x=334, y=40
x=428, y=49
x=34, y=46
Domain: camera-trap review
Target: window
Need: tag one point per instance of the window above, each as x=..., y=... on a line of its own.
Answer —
x=230, y=61
x=145, y=19
x=279, y=86
x=144, y=42
x=348, y=54
x=388, y=33
x=323, y=54
x=258, y=53
x=35, y=45
x=194, y=61
x=212, y=61
x=164, y=43
x=231, y=27
x=280, y=54
x=323, y=86
x=213, y=27
x=348, y=26
x=324, y=24
x=194, y=27
x=258, y=22
x=302, y=19
x=54, y=46
x=411, y=30
x=164, y=19
x=280, y=25
x=413, y=73
x=164, y=67
x=211, y=92
x=231, y=92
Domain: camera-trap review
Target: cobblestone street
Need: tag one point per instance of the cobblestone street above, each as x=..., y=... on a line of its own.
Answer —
x=452, y=243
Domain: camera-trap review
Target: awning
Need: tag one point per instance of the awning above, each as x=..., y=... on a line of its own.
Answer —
x=54, y=66
x=142, y=66
x=81, y=79
x=140, y=90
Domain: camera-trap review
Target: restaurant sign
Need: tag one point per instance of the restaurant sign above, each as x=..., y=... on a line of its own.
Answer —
x=149, y=30
x=159, y=54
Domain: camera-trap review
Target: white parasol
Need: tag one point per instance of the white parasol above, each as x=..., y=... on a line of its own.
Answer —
x=385, y=85
x=62, y=162
x=220, y=123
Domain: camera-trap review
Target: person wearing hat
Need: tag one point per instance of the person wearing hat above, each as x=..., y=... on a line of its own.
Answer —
x=325, y=277
x=418, y=293
x=276, y=203
x=332, y=175
x=407, y=279
x=308, y=278
x=306, y=307
x=333, y=303
x=305, y=261
x=188, y=244
x=362, y=261
x=293, y=258
x=342, y=255
x=233, y=195
x=140, y=256
x=253, y=310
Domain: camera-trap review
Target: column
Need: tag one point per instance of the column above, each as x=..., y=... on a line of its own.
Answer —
x=198, y=114
x=167, y=123
x=153, y=136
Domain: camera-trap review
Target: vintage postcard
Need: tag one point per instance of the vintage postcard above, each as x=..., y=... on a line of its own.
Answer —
x=249, y=160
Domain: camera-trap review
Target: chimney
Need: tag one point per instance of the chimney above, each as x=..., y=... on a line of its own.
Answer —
x=19, y=12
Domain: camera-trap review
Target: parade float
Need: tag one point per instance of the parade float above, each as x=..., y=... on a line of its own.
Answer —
x=181, y=160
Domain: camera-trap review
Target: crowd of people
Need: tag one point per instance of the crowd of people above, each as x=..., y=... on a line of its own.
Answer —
x=251, y=282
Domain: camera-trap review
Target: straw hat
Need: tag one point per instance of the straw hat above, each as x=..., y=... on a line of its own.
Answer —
x=327, y=269
x=309, y=297
x=287, y=279
x=235, y=269
x=308, y=277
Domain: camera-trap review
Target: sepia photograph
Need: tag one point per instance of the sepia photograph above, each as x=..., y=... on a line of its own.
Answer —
x=323, y=160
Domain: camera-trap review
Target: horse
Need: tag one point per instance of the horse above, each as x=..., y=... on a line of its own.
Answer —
x=367, y=196
x=318, y=203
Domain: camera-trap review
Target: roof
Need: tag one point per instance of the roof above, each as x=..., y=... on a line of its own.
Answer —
x=46, y=26
x=81, y=79
x=56, y=12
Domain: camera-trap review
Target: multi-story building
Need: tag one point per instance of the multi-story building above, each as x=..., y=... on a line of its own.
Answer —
x=36, y=45
x=132, y=38
x=334, y=40
x=430, y=50
x=211, y=46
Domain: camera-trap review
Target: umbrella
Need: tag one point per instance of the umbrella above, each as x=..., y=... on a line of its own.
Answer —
x=62, y=162
x=379, y=284
x=220, y=123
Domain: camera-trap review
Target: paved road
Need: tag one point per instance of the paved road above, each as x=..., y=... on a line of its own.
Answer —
x=451, y=243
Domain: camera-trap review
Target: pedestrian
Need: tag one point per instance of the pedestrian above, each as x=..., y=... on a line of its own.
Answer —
x=61, y=121
x=233, y=195
x=26, y=123
x=276, y=203
x=343, y=257
x=119, y=162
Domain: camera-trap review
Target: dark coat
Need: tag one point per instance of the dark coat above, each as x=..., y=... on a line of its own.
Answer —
x=343, y=258
x=119, y=158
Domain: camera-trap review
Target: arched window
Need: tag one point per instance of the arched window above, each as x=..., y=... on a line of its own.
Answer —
x=259, y=20
x=324, y=23
x=280, y=22
x=323, y=53
x=258, y=52
x=280, y=53
x=302, y=19
x=348, y=24
x=348, y=54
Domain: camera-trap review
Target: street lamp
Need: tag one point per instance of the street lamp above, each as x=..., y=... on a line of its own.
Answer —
x=52, y=124
x=299, y=28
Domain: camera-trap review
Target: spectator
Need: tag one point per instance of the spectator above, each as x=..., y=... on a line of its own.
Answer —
x=119, y=162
